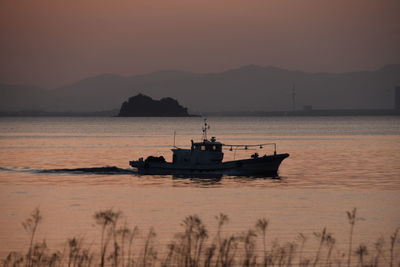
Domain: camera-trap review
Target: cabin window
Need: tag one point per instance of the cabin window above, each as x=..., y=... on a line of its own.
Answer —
x=203, y=148
x=214, y=148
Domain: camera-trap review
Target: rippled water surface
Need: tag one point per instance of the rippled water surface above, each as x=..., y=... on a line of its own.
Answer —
x=72, y=167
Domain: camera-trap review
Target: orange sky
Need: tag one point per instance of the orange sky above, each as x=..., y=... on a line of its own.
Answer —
x=53, y=42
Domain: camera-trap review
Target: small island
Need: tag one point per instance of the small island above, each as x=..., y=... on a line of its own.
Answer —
x=144, y=106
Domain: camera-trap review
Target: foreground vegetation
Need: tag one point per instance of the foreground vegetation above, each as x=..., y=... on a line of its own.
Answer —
x=121, y=246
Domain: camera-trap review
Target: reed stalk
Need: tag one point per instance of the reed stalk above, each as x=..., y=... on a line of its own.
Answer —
x=30, y=225
x=262, y=225
x=393, y=239
x=106, y=219
x=361, y=251
x=322, y=238
x=351, y=216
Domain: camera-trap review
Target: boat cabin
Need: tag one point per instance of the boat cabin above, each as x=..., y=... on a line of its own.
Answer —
x=200, y=153
x=206, y=145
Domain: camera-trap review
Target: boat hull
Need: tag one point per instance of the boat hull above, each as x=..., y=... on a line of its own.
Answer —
x=261, y=166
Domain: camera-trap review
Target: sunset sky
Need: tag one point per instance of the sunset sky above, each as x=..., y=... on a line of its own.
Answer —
x=53, y=42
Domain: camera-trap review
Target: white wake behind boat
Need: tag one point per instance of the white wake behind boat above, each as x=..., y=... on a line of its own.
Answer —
x=206, y=158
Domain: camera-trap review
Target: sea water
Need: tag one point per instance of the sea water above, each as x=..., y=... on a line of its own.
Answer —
x=335, y=164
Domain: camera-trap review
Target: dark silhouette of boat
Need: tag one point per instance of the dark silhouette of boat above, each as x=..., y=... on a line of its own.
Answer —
x=206, y=158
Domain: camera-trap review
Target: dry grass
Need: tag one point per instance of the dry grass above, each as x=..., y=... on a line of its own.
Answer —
x=193, y=247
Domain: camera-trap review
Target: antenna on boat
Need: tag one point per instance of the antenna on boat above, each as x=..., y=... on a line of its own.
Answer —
x=174, y=138
x=205, y=128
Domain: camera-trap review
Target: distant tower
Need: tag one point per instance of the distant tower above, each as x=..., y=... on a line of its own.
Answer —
x=397, y=98
x=294, y=98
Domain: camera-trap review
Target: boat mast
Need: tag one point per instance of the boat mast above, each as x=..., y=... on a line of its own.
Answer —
x=205, y=128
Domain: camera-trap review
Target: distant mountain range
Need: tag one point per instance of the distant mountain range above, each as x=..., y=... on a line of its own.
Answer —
x=249, y=88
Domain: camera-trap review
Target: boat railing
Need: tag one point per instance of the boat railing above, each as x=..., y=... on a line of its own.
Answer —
x=234, y=148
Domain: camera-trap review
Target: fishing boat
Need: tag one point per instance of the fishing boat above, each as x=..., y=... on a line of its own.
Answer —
x=206, y=158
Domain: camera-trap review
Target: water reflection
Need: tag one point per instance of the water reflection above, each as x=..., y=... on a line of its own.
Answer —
x=197, y=180
x=222, y=180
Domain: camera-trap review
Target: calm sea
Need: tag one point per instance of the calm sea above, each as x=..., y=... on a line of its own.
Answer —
x=335, y=164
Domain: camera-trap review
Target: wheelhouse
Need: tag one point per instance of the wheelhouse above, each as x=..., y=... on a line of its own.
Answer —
x=211, y=146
